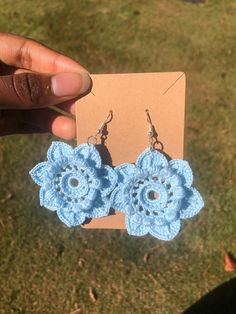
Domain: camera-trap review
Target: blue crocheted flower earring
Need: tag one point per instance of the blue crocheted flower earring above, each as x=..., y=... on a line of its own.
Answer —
x=155, y=194
x=74, y=182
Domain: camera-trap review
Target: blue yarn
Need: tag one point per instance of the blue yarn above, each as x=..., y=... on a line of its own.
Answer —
x=155, y=195
x=75, y=183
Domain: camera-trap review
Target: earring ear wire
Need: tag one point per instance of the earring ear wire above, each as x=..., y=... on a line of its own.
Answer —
x=100, y=129
x=151, y=130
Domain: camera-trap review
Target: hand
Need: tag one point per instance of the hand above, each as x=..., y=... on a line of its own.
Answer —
x=33, y=77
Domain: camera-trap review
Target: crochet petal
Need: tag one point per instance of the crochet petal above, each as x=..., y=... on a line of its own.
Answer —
x=101, y=207
x=92, y=194
x=135, y=226
x=151, y=158
x=178, y=192
x=125, y=172
x=165, y=174
x=171, y=214
x=77, y=208
x=192, y=204
x=173, y=205
x=183, y=169
x=71, y=218
x=88, y=201
x=167, y=231
x=50, y=199
x=148, y=221
x=108, y=179
x=86, y=204
x=118, y=199
x=160, y=221
x=60, y=153
x=174, y=180
x=89, y=153
x=41, y=172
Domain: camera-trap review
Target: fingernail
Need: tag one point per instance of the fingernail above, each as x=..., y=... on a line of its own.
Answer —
x=70, y=84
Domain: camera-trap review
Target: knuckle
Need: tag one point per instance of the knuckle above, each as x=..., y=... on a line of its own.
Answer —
x=24, y=59
x=30, y=89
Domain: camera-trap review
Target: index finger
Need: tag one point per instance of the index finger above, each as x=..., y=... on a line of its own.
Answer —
x=28, y=54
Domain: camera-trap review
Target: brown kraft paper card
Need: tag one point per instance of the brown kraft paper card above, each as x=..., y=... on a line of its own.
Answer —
x=128, y=96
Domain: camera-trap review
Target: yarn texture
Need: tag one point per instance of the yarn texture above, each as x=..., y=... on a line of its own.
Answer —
x=74, y=183
x=155, y=194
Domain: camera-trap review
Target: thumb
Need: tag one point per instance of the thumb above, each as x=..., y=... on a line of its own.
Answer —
x=33, y=90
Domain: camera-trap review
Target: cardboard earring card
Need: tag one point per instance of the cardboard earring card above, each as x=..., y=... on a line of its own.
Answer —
x=128, y=96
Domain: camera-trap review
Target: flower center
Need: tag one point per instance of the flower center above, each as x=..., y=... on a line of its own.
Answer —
x=74, y=182
x=153, y=195
x=149, y=197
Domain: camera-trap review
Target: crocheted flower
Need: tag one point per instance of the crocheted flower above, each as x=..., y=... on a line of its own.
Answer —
x=155, y=195
x=75, y=183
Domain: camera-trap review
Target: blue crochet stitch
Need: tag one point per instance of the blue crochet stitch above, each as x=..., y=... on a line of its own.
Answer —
x=155, y=195
x=75, y=183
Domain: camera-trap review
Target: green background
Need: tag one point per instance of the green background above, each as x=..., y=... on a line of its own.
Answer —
x=48, y=268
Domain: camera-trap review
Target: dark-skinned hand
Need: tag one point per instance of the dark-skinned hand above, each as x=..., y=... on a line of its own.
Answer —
x=32, y=78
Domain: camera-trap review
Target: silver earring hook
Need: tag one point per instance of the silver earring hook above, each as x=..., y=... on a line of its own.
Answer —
x=151, y=130
x=100, y=129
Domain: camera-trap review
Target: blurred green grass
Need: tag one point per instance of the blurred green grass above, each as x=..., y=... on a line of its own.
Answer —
x=47, y=268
